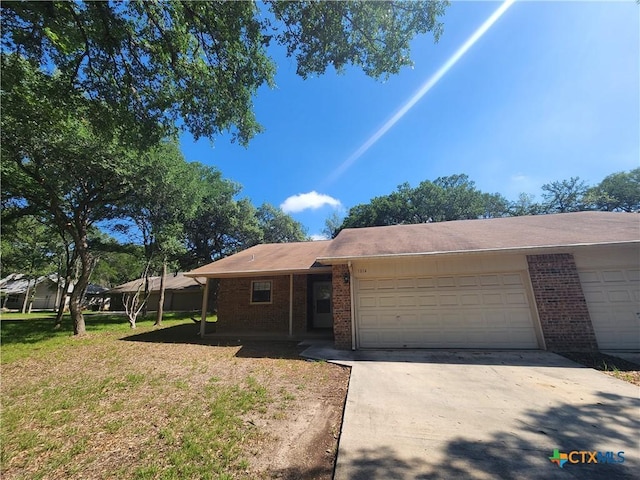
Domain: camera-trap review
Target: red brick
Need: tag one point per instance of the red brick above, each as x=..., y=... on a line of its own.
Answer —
x=562, y=308
x=341, y=308
x=236, y=313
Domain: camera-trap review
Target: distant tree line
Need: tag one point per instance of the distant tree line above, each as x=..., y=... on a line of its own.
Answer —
x=456, y=197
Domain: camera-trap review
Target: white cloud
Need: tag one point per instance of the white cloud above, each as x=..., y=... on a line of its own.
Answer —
x=521, y=183
x=304, y=201
x=319, y=236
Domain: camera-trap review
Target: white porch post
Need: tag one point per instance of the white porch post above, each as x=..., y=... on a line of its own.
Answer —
x=291, y=305
x=205, y=299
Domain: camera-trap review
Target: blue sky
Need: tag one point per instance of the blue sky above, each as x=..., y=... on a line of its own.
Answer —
x=551, y=90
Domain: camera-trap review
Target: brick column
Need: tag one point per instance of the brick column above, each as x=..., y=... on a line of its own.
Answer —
x=341, y=307
x=562, y=308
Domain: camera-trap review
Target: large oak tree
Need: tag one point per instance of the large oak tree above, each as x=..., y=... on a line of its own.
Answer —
x=86, y=85
x=56, y=165
x=201, y=63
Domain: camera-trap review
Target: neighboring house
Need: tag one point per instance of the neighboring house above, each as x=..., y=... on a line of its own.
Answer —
x=558, y=282
x=14, y=288
x=181, y=293
x=48, y=290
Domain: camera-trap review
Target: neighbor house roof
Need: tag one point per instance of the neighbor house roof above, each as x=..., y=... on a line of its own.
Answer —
x=176, y=281
x=268, y=258
x=16, y=283
x=509, y=233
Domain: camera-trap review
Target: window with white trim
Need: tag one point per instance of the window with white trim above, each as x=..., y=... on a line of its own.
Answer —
x=261, y=291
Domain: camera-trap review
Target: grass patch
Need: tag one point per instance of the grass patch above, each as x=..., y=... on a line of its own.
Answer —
x=614, y=366
x=23, y=335
x=156, y=403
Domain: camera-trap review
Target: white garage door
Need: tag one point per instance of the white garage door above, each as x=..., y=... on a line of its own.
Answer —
x=447, y=311
x=613, y=300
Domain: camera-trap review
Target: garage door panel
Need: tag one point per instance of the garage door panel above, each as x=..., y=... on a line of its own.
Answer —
x=426, y=283
x=430, y=320
x=368, y=320
x=445, y=281
x=387, y=301
x=492, y=299
x=383, y=338
x=470, y=299
x=468, y=281
x=366, y=301
x=512, y=280
x=587, y=277
x=516, y=299
x=595, y=296
x=495, y=319
x=472, y=320
x=406, y=283
x=428, y=300
x=387, y=283
x=616, y=296
x=409, y=320
x=367, y=285
x=407, y=301
x=448, y=311
x=520, y=319
x=613, y=300
x=613, y=276
x=448, y=299
x=489, y=280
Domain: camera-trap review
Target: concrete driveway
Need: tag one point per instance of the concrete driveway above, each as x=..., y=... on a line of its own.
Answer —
x=477, y=415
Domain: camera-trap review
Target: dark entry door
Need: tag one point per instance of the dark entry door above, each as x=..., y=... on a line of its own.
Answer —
x=322, y=308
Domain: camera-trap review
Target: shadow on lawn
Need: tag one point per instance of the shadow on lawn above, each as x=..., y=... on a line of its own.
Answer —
x=188, y=333
x=35, y=330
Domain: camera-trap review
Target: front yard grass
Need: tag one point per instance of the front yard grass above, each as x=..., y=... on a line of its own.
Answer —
x=149, y=403
x=613, y=366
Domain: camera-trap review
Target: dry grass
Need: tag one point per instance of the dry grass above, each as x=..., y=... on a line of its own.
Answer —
x=608, y=364
x=165, y=405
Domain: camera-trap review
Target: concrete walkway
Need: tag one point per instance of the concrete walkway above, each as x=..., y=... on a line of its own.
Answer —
x=460, y=414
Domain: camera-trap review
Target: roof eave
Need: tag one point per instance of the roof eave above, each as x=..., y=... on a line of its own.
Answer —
x=259, y=273
x=529, y=249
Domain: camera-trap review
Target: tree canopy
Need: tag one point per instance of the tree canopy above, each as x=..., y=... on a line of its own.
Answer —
x=618, y=191
x=456, y=197
x=199, y=64
x=56, y=164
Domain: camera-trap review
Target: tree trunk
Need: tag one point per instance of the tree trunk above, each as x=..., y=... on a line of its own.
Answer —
x=63, y=302
x=147, y=293
x=161, y=299
x=70, y=263
x=27, y=294
x=79, y=288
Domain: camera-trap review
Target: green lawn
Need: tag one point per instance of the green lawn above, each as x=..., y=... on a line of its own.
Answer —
x=149, y=403
x=23, y=335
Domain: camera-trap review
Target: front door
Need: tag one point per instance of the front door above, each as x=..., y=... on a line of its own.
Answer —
x=322, y=309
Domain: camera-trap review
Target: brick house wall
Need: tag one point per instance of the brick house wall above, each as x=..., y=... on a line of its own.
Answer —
x=341, y=308
x=236, y=313
x=562, y=308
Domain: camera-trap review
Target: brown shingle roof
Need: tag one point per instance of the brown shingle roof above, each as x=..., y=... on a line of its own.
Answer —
x=510, y=233
x=276, y=258
x=171, y=282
